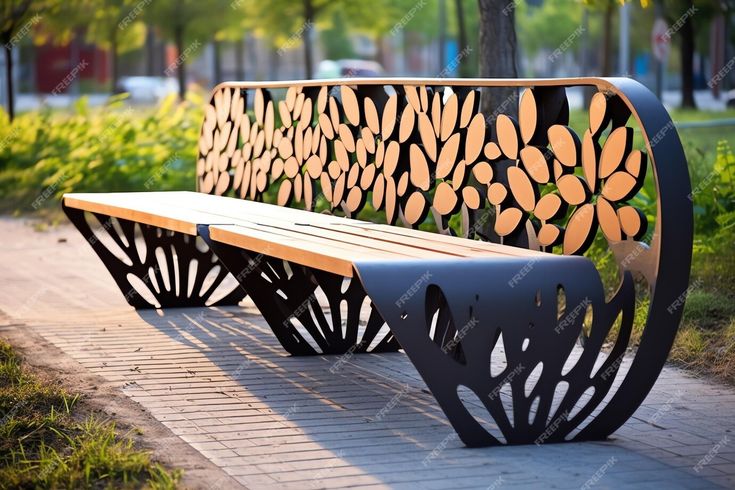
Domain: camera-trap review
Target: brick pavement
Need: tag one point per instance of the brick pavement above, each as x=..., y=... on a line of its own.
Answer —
x=218, y=379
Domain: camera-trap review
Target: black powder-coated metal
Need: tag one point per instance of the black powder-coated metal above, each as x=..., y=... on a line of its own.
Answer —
x=175, y=284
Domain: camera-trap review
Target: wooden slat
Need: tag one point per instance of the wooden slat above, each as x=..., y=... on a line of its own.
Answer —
x=322, y=256
x=314, y=239
x=338, y=228
x=240, y=210
x=323, y=241
x=144, y=211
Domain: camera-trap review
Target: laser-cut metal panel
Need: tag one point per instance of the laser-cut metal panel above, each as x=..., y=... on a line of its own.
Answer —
x=408, y=149
x=458, y=313
x=286, y=295
x=187, y=274
x=414, y=147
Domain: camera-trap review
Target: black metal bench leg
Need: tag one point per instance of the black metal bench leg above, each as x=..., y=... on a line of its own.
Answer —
x=172, y=280
x=449, y=317
x=286, y=295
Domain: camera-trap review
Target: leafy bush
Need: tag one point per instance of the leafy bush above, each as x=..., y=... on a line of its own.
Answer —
x=114, y=148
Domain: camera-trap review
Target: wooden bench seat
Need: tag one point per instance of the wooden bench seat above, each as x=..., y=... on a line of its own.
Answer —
x=330, y=243
x=517, y=202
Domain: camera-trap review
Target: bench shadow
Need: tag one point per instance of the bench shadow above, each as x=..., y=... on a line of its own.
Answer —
x=372, y=412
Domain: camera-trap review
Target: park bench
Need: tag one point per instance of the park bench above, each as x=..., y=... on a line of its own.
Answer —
x=366, y=215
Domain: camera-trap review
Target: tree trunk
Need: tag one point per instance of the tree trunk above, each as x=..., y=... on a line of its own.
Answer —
x=217, y=61
x=9, y=80
x=464, y=69
x=606, y=56
x=498, y=57
x=150, y=46
x=306, y=34
x=687, y=61
x=114, y=62
x=442, y=36
x=240, y=59
x=181, y=60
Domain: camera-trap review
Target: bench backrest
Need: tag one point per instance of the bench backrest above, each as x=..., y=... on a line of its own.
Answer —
x=407, y=148
x=399, y=150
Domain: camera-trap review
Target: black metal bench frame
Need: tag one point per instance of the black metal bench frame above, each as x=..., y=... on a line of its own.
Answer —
x=439, y=154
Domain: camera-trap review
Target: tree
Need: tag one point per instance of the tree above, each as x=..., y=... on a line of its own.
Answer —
x=549, y=26
x=114, y=25
x=608, y=9
x=498, y=47
x=290, y=23
x=464, y=67
x=189, y=24
x=17, y=17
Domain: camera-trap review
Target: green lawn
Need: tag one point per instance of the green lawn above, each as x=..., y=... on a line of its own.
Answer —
x=45, y=442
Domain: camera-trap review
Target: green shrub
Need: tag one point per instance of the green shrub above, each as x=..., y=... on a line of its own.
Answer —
x=114, y=148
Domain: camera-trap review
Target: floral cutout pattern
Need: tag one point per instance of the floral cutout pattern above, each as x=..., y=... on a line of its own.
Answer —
x=408, y=150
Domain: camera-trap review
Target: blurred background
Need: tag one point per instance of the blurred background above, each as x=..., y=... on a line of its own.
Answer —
x=58, y=50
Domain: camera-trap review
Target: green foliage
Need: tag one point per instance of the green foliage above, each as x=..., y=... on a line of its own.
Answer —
x=548, y=25
x=335, y=39
x=713, y=193
x=115, y=148
x=43, y=446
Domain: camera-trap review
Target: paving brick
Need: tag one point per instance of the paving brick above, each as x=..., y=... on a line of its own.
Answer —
x=220, y=381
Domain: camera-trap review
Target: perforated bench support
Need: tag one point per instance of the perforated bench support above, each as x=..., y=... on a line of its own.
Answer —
x=168, y=285
x=286, y=294
x=459, y=314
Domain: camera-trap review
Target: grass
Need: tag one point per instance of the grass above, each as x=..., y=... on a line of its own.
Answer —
x=46, y=442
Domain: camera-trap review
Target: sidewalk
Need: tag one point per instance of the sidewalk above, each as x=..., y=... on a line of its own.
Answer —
x=218, y=379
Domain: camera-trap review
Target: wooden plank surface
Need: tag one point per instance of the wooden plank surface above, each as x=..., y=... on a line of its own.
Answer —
x=322, y=241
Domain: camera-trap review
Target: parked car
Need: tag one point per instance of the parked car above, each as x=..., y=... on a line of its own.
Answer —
x=148, y=89
x=349, y=68
x=730, y=98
